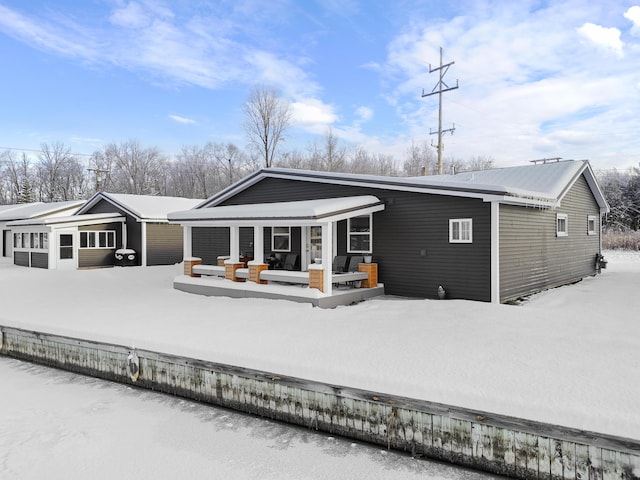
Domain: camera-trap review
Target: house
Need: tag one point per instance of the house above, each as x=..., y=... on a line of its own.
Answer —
x=493, y=235
x=134, y=225
x=30, y=211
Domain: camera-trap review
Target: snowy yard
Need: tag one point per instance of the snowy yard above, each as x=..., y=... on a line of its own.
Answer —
x=569, y=356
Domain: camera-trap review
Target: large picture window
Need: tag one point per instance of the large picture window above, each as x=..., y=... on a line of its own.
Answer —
x=281, y=239
x=99, y=239
x=461, y=230
x=359, y=234
x=562, y=225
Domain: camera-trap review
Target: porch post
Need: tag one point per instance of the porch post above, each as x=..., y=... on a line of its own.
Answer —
x=186, y=241
x=234, y=244
x=258, y=244
x=327, y=256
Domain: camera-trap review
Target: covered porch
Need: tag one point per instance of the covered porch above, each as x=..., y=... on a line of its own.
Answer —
x=316, y=280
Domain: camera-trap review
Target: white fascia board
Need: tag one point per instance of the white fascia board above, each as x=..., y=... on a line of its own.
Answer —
x=280, y=221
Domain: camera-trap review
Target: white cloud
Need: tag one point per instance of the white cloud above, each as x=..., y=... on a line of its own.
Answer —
x=313, y=115
x=180, y=119
x=633, y=14
x=364, y=114
x=607, y=38
x=130, y=16
x=49, y=37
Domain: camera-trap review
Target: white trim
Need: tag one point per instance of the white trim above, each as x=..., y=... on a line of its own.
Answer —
x=258, y=244
x=327, y=257
x=187, y=242
x=234, y=245
x=96, y=234
x=281, y=234
x=369, y=233
x=143, y=244
x=565, y=232
x=460, y=222
x=495, y=252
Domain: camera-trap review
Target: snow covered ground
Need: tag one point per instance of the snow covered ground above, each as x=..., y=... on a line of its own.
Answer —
x=57, y=425
x=569, y=356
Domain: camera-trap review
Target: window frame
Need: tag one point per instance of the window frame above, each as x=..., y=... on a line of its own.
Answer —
x=92, y=241
x=460, y=222
x=286, y=235
x=367, y=234
x=562, y=232
x=590, y=219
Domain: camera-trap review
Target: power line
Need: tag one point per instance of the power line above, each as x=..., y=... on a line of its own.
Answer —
x=17, y=149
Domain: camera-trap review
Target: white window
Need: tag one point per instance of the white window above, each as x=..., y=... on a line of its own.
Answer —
x=460, y=230
x=100, y=239
x=562, y=225
x=281, y=239
x=359, y=234
x=591, y=224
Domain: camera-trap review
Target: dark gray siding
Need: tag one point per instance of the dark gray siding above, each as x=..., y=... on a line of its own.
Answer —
x=208, y=243
x=21, y=258
x=533, y=258
x=99, y=257
x=39, y=259
x=411, y=236
x=164, y=244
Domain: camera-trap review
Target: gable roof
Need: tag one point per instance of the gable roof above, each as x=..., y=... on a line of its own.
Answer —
x=141, y=207
x=24, y=211
x=542, y=185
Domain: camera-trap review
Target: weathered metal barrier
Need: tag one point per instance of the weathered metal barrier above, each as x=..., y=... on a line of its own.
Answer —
x=494, y=443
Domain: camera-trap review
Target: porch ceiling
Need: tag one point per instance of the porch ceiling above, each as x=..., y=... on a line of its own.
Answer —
x=304, y=212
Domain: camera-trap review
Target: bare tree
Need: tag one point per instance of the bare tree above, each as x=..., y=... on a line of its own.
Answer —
x=480, y=162
x=420, y=160
x=334, y=155
x=60, y=174
x=267, y=117
x=229, y=159
x=129, y=168
x=17, y=178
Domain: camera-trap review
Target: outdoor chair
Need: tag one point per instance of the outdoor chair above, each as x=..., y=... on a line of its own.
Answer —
x=339, y=264
x=290, y=261
x=353, y=263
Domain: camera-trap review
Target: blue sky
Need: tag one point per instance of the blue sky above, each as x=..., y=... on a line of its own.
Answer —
x=537, y=79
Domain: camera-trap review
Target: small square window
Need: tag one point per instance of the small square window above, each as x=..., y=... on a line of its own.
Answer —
x=591, y=224
x=281, y=239
x=461, y=230
x=562, y=225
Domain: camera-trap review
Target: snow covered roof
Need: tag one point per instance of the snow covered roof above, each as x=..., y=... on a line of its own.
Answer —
x=142, y=207
x=39, y=209
x=539, y=184
x=71, y=220
x=301, y=212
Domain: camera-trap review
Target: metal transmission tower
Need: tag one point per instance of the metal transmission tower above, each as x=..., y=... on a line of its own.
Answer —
x=440, y=88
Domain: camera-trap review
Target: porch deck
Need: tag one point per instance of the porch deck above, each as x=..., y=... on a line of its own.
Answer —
x=213, y=285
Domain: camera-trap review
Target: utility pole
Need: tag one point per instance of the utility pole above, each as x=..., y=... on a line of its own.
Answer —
x=440, y=88
x=97, y=172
